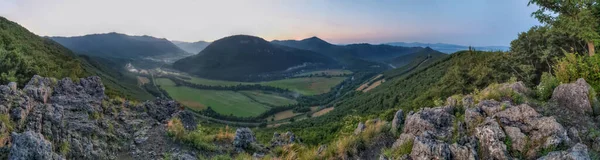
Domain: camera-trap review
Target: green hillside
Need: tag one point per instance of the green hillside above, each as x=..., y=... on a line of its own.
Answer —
x=24, y=54
x=462, y=72
x=249, y=58
x=117, y=45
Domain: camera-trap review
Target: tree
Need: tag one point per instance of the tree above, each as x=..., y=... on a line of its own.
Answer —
x=578, y=17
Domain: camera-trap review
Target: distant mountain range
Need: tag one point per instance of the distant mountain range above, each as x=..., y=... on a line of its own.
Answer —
x=191, y=47
x=448, y=48
x=249, y=58
x=353, y=56
x=117, y=45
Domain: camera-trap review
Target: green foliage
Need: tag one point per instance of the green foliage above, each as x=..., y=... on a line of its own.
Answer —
x=403, y=149
x=546, y=87
x=572, y=67
x=24, y=54
x=536, y=51
x=65, y=148
x=199, y=138
x=579, y=18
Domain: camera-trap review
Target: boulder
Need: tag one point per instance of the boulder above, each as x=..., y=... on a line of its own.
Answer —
x=31, y=145
x=438, y=121
x=518, y=139
x=398, y=120
x=39, y=88
x=574, y=96
x=468, y=101
x=361, y=127
x=460, y=152
x=281, y=140
x=491, y=138
x=244, y=139
x=577, y=152
x=426, y=147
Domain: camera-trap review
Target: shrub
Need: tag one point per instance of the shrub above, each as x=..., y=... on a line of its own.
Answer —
x=65, y=148
x=546, y=87
x=403, y=149
x=572, y=67
x=175, y=129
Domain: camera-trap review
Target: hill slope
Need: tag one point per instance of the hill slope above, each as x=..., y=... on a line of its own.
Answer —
x=24, y=54
x=406, y=59
x=193, y=47
x=246, y=58
x=119, y=45
x=377, y=53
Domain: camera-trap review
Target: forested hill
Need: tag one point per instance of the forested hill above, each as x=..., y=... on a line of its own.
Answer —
x=376, y=53
x=116, y=45
x=191, y=47
x=422, y=54
x=243, y=57
x=24, y=54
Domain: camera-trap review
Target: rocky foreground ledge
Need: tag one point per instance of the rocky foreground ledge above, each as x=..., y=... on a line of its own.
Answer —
x=60, y=119
x=502, y=130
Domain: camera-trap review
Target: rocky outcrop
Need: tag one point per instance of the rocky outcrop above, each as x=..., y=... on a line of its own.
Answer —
x=491, y=137
x=398, y=120
x=281, y=140
x=77, y=120
x=244, y=139
x=491, y=130
x=438, y=121
x=577, y=152
x=359, y=128
x=31, y=145
x=574, y=96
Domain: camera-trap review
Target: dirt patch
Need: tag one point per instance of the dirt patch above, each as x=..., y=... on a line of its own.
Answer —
x=193, y=105
x=374, y=85
x=366, y=84
x=284, y=115
x=142, y=80
x=322, y=112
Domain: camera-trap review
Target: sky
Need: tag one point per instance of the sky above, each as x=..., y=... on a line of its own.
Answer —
x=464, y=22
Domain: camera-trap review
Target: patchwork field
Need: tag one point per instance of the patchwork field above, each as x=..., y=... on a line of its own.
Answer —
x=284, y=115
x=223, y=102
x=305, y=85
x=331, y=72
x=211, y=82
x=242, y=103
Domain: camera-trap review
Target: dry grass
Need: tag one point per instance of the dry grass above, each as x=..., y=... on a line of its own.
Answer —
x=142, y=80
x=374, y=85
x=225, y=135
x=284, y=115
x=323, y=112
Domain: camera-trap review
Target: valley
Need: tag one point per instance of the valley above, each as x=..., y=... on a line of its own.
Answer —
x=116, y=85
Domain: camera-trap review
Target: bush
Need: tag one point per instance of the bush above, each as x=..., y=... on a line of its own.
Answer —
x=572, y=67
x=546, y=87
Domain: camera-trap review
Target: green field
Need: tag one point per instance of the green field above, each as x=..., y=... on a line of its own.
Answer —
x=211, y=82
x=308, y=85
x=331, y=72
x=242, y=104
x=223, y=102
x=305, y=85
x=268, y=98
